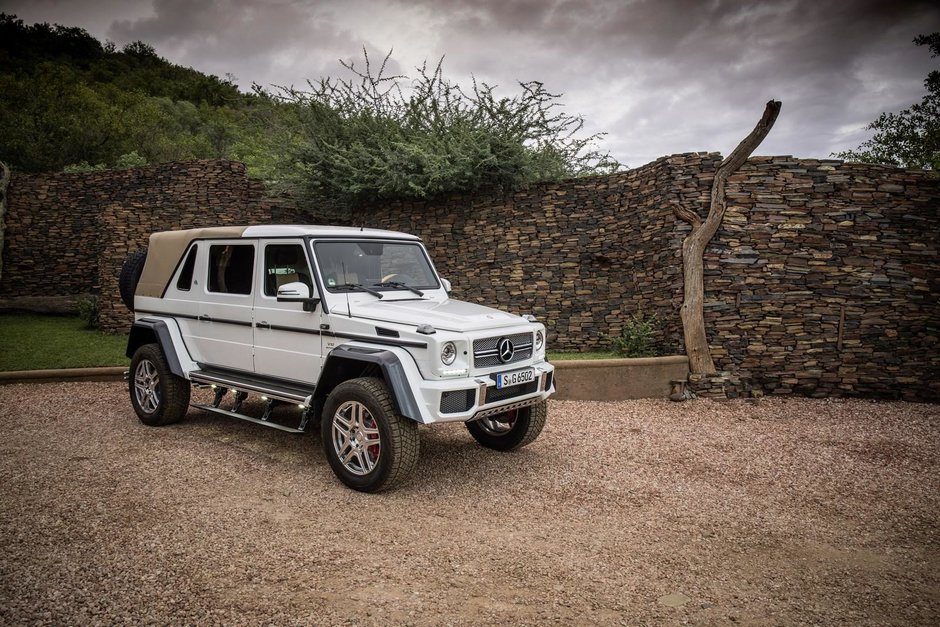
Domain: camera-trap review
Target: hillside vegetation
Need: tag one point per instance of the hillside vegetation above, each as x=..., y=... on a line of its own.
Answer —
x=67, y=101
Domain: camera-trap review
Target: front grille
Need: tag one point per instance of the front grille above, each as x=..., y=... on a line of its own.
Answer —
x=485, y=351
x=457, y=401
x=494, y=395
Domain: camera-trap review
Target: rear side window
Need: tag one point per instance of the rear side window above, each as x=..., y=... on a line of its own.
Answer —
x=185, y=282
x=231, y=267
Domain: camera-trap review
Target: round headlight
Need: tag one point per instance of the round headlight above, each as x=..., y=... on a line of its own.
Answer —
x=448, y=353
x=539, y=340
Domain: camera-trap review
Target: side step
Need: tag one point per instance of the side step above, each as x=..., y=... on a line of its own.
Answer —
x=289, y=392
x=270, y=390
x=257, y=421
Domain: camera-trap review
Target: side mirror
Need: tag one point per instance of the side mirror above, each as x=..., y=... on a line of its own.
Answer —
x=293, y=290
x=297, y=292
x=447, y=286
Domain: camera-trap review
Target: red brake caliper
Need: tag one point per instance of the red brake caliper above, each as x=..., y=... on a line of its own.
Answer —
x=373, y=449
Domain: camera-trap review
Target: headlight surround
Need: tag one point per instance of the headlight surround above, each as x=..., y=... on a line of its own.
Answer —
x=448, y=353
x=539, y=340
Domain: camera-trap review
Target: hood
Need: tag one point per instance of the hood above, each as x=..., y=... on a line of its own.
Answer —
x=448, y=315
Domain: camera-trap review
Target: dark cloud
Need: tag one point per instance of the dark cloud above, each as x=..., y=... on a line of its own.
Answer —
x=661, y=76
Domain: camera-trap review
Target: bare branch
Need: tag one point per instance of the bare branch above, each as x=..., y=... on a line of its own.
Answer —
x=687, y=215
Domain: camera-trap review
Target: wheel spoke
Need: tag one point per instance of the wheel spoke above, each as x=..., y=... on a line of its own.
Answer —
x=357, y=410
x=346, y=422
x=350, y=453
x=364, y=462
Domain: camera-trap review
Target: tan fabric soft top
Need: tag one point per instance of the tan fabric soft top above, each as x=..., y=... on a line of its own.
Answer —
x=164, y=254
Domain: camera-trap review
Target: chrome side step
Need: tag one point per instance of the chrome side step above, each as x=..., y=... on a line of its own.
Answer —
x=257, y=421
x=283, y=392
x=271, y=393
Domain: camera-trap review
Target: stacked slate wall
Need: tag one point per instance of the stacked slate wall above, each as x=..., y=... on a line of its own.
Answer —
x=69, y=233
x=823, y=279
x=53, y=239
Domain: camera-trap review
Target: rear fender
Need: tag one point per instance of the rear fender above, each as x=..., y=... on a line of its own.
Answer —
x=165, y=333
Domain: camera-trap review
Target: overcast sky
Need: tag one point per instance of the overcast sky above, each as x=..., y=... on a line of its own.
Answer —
x=659, y=76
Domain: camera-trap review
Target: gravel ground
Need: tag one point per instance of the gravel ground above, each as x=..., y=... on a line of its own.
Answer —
x=776, y=511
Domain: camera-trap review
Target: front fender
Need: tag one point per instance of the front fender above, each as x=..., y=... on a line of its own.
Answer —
x=352, y=359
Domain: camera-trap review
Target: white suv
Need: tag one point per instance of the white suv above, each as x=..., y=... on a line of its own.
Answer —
x=351, y=325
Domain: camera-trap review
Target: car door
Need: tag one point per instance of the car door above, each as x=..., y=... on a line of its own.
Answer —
x=287, y=341
x=223, y=332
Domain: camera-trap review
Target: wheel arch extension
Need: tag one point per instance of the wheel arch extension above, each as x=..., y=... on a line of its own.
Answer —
x=154, y=331
x=350, y=362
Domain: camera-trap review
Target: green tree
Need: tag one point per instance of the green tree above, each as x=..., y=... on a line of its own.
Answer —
x=910, y=138
x=66, y=100
x=370, y=139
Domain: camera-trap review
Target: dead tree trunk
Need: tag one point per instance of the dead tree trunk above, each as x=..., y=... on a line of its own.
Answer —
x=693, y=247
x=4, y=183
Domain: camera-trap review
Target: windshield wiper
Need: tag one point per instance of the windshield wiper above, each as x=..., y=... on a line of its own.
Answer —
x=399, y=285
x=362, y=288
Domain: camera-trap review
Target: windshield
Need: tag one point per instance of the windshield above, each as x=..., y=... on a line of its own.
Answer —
x=375, y=265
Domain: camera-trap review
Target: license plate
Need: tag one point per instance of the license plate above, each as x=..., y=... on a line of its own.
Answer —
x=509, y=379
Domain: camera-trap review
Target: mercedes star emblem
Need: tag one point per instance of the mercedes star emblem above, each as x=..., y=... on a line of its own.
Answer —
x=505, y=349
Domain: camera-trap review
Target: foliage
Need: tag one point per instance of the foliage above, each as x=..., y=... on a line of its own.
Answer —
x=56, y=342
x=639, y=337
x=69, y=101
x=87, y=309
x=910, y=138
x=368, y=139
x=66, y=100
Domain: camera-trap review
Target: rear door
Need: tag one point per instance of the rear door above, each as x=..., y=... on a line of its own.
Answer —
x=223, y=332
x=286, y=339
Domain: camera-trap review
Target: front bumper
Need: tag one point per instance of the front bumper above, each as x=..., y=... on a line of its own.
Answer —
x=466, y=399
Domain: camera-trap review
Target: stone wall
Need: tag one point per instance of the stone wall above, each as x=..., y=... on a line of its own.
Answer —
x=823, y=280
x=53, y=237
x=69, y=233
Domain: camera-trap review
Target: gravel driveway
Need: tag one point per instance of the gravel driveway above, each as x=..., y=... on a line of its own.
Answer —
x=778, y=511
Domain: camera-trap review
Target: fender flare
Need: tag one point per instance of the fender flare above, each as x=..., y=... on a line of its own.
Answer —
x=345, y=359
x=147, y=331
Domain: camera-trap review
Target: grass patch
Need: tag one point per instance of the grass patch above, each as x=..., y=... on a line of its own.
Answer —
x=561, y=355
x=36, y=342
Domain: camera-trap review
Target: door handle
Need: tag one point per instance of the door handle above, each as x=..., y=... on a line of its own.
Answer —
x=263, y=325
x=204, y=318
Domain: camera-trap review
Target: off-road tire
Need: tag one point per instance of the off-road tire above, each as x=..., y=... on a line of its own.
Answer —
x=524, y=429
x=169, y=398
x=130, y=276
x=398, y=436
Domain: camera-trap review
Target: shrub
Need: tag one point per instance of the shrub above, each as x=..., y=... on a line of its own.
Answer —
x=87, y=308
x=640, y=336
x=376, y=138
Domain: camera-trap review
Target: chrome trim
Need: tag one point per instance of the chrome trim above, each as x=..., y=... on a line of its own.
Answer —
x=248, y=387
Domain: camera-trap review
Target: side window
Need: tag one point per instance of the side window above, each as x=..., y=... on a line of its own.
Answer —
x=231, y=267
x=285, y=263
x=185, y=282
